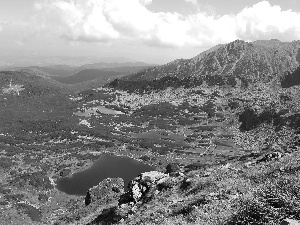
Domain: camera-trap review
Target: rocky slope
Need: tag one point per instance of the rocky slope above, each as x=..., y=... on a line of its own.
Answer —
x=256, y=61
x=260, y=192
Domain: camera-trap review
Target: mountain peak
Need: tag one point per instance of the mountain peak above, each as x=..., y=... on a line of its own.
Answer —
x=259, y=61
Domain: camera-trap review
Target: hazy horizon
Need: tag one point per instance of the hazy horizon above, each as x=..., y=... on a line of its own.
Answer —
x=151, y=31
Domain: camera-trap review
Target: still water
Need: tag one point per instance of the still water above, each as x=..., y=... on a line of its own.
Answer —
x=106, y=166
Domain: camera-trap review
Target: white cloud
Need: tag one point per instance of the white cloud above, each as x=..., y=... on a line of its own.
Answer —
x=146, y=2
x=130, y=21
x=263, y=21
x=2, y=25
x=19, y=43
x=192, y=1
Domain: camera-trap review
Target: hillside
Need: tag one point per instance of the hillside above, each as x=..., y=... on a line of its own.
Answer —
x=33, y=83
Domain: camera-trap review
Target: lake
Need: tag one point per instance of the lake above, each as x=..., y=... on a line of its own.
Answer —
x=106, y=166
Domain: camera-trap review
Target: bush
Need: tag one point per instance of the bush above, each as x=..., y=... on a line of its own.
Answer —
x=188, y=208
x=6, y=163
x=250, y=212
x=275, y=200
x=249, y=119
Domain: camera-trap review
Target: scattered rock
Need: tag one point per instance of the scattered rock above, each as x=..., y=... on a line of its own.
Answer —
x=270, y=156
x=248, y=164
x=290, y=222
x=185, y=184
x=206, y=174
x=165, y=183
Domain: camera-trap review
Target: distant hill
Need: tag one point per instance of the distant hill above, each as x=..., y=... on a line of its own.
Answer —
x=115, y=65
x=86, y=75
x=99, y=74
x=32, y=84
x=67, y=70
x=259, y=61
x=55, y=70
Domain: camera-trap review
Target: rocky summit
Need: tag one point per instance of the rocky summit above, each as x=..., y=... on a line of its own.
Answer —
x=259, y=60
x=229, y=64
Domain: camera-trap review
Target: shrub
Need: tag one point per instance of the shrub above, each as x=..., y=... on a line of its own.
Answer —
x=273, y=201
x=250, y=212
x=6, y=163
x=249, y=119
x=188, y=208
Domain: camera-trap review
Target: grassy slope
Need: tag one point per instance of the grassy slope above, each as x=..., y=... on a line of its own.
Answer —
x=262, y=193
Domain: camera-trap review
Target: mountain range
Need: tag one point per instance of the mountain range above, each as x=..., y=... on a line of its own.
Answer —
x=249, y=62
x=87, y=76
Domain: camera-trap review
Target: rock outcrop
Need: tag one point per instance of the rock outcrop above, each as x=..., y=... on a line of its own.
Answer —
x=290, y=222
x=106, y=191
x=172, y=168
x=145, y=186
x=100, y=200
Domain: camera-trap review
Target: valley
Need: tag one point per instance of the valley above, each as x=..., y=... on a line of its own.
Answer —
x=220, y=129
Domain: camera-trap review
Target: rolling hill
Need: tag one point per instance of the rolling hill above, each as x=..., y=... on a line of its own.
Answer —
x=86, y=75
x=101, y=75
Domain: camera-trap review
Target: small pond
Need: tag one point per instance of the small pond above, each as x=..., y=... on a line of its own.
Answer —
x=98, y=110
x=161, y=135
x=106, y=166
x=31, y=211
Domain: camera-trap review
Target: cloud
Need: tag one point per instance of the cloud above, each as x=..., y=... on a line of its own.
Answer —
x=130, y=21
x=19, y=43
x=194, y=2
x=146, y=2
x=263, y=21
x=3, y=24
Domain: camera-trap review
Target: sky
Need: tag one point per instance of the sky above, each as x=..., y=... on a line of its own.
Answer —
x=153, y=31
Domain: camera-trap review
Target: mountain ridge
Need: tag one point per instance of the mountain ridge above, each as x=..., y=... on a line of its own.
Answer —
x=256, y=61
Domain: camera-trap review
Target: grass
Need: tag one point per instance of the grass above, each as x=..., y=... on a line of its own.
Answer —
x=265, y=193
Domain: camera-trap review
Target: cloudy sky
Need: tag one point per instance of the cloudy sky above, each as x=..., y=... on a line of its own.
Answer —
x=155, y=31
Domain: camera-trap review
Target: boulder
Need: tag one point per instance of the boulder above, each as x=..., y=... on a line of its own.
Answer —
x=290, y=222
x=65, y=172
x=107, y=190
x=270, y=156
x=172, y=168
x=144, y=187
